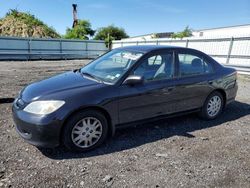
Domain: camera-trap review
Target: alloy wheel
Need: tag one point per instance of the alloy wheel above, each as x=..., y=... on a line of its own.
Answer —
x=214, y=106
x=86, y=132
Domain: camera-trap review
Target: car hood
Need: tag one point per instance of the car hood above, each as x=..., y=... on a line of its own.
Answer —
x=59, y=83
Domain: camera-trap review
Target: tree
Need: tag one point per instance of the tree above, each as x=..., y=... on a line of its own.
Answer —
x=21, y=24
x=81, y=31
x=110, y=33
x=187, y=32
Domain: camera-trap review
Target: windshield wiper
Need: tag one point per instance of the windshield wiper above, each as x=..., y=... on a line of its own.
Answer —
x=91, y=76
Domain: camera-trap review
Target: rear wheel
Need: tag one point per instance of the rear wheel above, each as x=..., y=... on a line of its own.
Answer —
x=213, y=106
x=85, y=131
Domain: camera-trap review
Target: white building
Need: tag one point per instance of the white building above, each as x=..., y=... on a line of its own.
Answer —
x=219, y=32
x=149, y=36
x=224, y=32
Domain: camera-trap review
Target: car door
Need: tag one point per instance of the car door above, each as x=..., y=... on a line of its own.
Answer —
x=193, y=83
x=147, y=100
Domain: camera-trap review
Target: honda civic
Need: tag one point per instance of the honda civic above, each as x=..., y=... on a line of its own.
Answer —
x=81, y=108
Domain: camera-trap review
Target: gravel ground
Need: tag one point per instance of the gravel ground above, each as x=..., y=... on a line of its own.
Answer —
x=176, y=152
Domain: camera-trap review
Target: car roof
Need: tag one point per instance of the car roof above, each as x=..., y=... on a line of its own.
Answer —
x=148, y=48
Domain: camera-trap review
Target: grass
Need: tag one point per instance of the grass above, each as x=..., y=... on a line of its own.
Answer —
x=21, y=24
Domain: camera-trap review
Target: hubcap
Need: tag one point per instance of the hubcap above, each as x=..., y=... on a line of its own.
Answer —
x=86, y=132
x=214, y=106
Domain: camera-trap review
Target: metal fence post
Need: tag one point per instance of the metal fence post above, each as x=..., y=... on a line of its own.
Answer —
x=121, y=44
x=187, y=41
x=29, y=48
x=157, y=42
x=137, y=43
x=111, y=45
x=61, y=48
x=230, y=50
x=87, y=52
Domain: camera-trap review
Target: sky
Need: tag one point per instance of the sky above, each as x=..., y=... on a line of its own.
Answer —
x=137, y=17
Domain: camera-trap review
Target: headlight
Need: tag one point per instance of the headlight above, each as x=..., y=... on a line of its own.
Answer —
x=43, y=107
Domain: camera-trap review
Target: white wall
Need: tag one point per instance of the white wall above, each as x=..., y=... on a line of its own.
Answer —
x=216, y=47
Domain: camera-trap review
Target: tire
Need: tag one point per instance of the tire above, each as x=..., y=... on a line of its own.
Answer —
x=213, y=106
x=85, y=131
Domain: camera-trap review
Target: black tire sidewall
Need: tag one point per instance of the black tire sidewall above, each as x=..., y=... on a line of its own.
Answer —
x=67, y=140
x=204, y=108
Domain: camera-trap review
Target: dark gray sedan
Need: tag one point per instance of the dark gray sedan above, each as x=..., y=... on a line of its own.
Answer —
x=128, y=85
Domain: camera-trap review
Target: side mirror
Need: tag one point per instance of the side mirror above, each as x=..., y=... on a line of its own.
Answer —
x=133, y=80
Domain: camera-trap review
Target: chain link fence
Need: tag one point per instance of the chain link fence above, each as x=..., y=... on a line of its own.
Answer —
x=234, y=52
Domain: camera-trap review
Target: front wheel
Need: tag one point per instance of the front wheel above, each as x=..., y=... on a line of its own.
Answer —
x=85, y=131
x=213, y=106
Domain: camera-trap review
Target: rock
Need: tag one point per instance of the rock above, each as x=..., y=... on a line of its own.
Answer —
x=109, y=183
x=173, y=140
x=135, y=156
x=5, y=180
x=161, y=155
x=89, y=163
x=1, y=184
x=181, y=148
x=83, y=169
x=107, y=178
x=82, y=183
x=128, y=169
x=205, y=138
x=2, y=174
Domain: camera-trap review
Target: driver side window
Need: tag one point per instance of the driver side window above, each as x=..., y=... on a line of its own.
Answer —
x=156, y=67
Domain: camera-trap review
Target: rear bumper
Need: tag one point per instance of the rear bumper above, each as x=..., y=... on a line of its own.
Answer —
x=41, y=131
x=231, y=93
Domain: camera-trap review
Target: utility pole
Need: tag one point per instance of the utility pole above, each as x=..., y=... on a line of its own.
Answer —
x=74, y=15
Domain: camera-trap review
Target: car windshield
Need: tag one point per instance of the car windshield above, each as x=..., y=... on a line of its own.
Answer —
x=111, y=66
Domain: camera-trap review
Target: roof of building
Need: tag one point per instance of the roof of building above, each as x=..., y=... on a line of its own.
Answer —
x=148, y=48
x=243, y=25
x=205, y=29
x=150, y=34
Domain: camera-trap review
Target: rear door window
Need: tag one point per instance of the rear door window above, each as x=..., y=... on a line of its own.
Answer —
x=191, y=65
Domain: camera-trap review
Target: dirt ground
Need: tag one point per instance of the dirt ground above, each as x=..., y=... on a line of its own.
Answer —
x=176, y=152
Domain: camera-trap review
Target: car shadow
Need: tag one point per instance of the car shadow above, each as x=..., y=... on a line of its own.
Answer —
x=6, y=100
x=150, y=132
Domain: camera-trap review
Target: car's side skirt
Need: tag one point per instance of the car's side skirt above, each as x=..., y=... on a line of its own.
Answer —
x=157, y=118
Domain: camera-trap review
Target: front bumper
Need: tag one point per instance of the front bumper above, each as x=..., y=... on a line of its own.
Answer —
x=41, y=131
